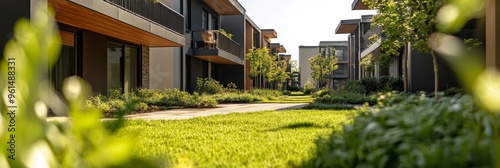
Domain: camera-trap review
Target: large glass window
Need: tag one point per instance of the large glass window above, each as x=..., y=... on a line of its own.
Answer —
x=66, y=63
x=122, y=68
x=209, y=21
x=114, y=66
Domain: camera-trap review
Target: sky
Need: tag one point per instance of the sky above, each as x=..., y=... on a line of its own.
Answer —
x=301, y=22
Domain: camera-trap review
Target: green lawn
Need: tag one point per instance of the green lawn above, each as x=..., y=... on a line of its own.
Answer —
x=262, y=139
x=290, y=99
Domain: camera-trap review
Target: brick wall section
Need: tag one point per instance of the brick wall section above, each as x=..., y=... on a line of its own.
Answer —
x=145, y=66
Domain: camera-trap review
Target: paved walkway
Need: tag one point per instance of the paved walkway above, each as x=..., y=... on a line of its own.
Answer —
x=179, y=114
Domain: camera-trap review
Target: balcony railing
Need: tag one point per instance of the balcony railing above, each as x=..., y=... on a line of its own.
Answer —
x=368, y=34
x=221, y=42
x=156, y=12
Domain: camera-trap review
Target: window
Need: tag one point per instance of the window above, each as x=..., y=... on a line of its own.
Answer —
x=256, y=37
x=340, y=54
x=209, y=21
x=122, y=68
x=66, y=64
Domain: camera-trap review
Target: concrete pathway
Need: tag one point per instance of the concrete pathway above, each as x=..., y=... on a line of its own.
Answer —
x=179, y=114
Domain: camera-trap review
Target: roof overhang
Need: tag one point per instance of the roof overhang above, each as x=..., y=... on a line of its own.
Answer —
x=101, y=17
x=279, y=48
x=269, y=33
x=347, y=26
x=226, y=7
x=359, y=5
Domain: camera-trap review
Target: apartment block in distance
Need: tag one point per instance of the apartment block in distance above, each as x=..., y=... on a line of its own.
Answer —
x=106, y=42
x=339, y=76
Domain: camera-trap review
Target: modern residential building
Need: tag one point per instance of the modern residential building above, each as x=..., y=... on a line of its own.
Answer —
x=106, y=42
x=267, y=35
x=420, y=68
x=360, y=47
x=339, y=76
x=208, y=52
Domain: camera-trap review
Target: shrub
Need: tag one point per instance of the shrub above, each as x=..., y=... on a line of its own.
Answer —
x=200, y=101
x=370, y=84
x=354, y=86
x=321, y=93
x=309, y=88
x=231, y=87
x=346, y=98
x=236, y=98
x=415, y=133
x=293, y=88
x=287, y=92
x=266, y=93
x=453, y=91
x=321, y=106
x=208, y=86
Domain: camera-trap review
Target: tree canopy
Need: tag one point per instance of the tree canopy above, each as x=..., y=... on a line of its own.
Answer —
x=322, y=65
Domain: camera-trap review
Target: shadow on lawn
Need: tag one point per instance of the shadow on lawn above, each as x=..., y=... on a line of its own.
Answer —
x=293, y=107
x=295, y=126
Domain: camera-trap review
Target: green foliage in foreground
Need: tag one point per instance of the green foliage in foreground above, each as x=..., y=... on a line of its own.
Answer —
x=416, y=133
x=262, y=139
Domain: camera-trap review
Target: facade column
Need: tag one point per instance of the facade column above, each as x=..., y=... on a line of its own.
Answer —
x=492, y=35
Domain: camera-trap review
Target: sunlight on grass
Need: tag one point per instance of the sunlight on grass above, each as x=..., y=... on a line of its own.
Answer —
x=262, y=139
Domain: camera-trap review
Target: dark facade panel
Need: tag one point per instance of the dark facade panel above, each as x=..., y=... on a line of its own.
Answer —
x=12, y=11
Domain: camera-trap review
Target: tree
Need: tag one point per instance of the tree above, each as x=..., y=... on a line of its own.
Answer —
x=407, y=21
x=266, y=68
x=294, y=65
x=321, y=66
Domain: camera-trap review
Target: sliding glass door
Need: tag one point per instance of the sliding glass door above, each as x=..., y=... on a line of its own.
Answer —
x=122, y=68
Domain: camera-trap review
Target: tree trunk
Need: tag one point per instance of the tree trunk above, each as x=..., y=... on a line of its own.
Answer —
x=405, y=67
x=436, y=75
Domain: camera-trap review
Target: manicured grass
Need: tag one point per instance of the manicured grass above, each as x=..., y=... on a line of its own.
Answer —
x=261, y=139
x=290, y=99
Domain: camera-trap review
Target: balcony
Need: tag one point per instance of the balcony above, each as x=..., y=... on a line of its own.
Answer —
x=154, y=11
x=371, y=47
x=217, y=49
x=107, y=17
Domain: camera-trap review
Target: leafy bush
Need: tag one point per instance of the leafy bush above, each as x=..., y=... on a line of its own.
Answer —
x=416, y=133
x=266, y=93
x=287, y=92
x=208, y=86
x=149, y=99
x=373, y=85
x=354, y=86
x=231, y=87
x=236, y=98
x=322, y=106
x=200, y=101
x=293, y=88
x=309, y=88
x=346, y=98
x=370, y=84
x=322, y=93
x=453, y=91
